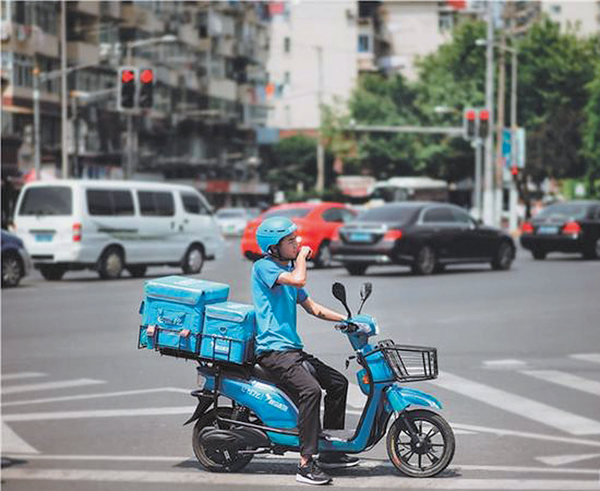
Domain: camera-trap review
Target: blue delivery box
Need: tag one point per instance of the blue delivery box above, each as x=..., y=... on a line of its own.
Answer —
x=228, y=335
x=173, y=313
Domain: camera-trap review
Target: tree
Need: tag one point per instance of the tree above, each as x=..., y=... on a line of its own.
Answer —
x=591, y=127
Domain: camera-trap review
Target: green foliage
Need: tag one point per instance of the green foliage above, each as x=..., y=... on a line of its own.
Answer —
x=591, y=127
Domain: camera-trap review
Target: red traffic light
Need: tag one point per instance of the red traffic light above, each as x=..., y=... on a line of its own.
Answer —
x=470, y=115
x=147, y=76
x=484, y=115
x=127, y=76
x=514, y=170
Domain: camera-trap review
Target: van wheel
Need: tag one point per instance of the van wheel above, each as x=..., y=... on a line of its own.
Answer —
x=52, y=272
x=193, y=260
x=111, y=264
x=137, y=271
x=12, y=269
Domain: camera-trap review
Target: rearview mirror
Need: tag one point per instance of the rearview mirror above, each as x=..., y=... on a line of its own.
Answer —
x=339, y=292
x=365, y=290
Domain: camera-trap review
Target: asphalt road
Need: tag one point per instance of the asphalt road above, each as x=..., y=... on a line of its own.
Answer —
x=83, y=408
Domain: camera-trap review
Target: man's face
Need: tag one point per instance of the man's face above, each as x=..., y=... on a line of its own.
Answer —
x=288, y=246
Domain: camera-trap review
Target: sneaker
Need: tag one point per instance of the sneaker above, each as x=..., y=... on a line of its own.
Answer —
x=334, y=460
x=311, y=473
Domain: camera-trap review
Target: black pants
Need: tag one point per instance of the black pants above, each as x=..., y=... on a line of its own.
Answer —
x=306, y=391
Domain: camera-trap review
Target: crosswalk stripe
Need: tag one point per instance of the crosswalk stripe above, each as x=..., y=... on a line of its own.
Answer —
x=17, y=389
x=13, y=443
x=566, y=380
x=100, y=413
x=16, y=376
x=521, y=406
x=591, y=357
x=269, y=480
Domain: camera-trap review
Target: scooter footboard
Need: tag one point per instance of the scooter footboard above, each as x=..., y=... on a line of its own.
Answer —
x=399, y=398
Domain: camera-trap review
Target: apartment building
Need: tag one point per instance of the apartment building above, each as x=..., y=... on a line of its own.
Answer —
x=210, y=106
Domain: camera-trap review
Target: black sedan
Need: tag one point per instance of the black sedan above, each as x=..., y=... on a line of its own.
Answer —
x=573, y=226
x=425, y=236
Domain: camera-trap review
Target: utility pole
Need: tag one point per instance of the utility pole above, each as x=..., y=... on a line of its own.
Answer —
x=488, y=192
x=128, y=171
x=499, y=191
x=64, y=95
x=320, y=184
x=513, y=195
x=37, y=143
x=478, y=144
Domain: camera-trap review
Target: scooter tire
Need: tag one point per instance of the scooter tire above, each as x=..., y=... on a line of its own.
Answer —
x=206, y=456
x=402, y=463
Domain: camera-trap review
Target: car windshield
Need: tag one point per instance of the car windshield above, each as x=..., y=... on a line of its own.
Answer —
x=47, y=200
x=397, y=214
x=564, y=210
x=288, y=213
x=231, y=214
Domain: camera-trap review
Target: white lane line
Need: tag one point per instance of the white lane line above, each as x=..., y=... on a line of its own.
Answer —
x=13, y=443
x=95, y=396
x=508, y=364
x=566, y=380
x=521, y=406
x=50, y=385
x=246, y=479
x=566, y=459
x=15, y=376
x=100, y=413
x=591, y=357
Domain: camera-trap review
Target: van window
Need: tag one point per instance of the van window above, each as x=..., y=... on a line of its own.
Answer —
x=154, y=203
x=47, y=200
x=192, y=204
x=107, y=202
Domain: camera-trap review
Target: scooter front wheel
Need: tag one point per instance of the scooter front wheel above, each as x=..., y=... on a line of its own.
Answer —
x=426, y=456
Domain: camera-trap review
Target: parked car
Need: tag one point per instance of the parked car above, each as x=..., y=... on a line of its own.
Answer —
x=317, y=224
x=16, y=262
x=233, y=221
x=109, y=226
x=426, y=236
x=572, y=226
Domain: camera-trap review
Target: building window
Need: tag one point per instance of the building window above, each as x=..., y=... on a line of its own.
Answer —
x=287, y=44
x=364, y=45
x=287, y=78
x=445, y=22
x=555, y=9
x=22, y=71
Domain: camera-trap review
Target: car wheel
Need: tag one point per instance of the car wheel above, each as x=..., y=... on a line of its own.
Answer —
x=52, y=272
x=538, y=254
x=356, y=269
x=137, y=271
x=593, y=251
x=12, y=270
x=193, y=260
x=323, y=258
x=504, y=257
x=425, y=261
x=111, y=264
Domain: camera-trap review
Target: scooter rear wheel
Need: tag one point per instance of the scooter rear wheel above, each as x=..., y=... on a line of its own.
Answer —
x=210, y=458
x=428, y=457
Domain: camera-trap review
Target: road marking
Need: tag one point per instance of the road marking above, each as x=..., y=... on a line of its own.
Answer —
x=50, y=385
x=566, y=380
x=13, y=443
x=15, y=376
x=508, y=364
x=521, y=406
x=95, y=396
x=566, y=459
x=246, y=479
x=591, y=357
x=100, y=413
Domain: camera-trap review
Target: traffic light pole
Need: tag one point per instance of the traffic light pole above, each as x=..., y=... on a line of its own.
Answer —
x=478, y=144
x=488, y=192
x=128, y=171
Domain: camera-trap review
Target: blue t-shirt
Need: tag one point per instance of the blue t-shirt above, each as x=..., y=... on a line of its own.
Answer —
x=275, y=306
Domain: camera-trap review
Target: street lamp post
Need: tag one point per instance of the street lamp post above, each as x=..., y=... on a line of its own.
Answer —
x=168, y=38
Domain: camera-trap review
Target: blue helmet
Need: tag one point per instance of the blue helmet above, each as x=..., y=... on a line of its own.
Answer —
x=272, y=230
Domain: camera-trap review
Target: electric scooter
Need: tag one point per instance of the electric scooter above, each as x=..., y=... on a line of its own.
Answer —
x=263, y=417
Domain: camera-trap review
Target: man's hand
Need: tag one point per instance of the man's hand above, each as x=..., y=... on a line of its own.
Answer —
x=305, y=252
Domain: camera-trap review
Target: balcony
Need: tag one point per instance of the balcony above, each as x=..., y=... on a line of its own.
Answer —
x=88, y=8
x=79, y=53
x=27, y=42
x=110, y=9
x=222, y=89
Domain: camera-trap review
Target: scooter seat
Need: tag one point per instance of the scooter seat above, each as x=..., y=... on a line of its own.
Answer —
x=262, y=373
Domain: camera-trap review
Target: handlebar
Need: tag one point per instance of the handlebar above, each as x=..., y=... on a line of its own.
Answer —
x=347, y=327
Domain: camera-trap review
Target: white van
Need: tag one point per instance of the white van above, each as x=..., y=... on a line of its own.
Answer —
x=114, y=225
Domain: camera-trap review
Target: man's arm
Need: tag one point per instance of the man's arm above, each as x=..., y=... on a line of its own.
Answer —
x=318, y=310
x=297, y=277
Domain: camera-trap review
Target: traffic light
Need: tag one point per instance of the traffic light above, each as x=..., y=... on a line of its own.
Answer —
x=484, y=123
x=514, y=170
x=146, y=88
x=470, y=124
x=127, y=85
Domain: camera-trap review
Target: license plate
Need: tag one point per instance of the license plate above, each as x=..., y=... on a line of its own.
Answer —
x=360, y=237
x=43, y=237
x=546, y=230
